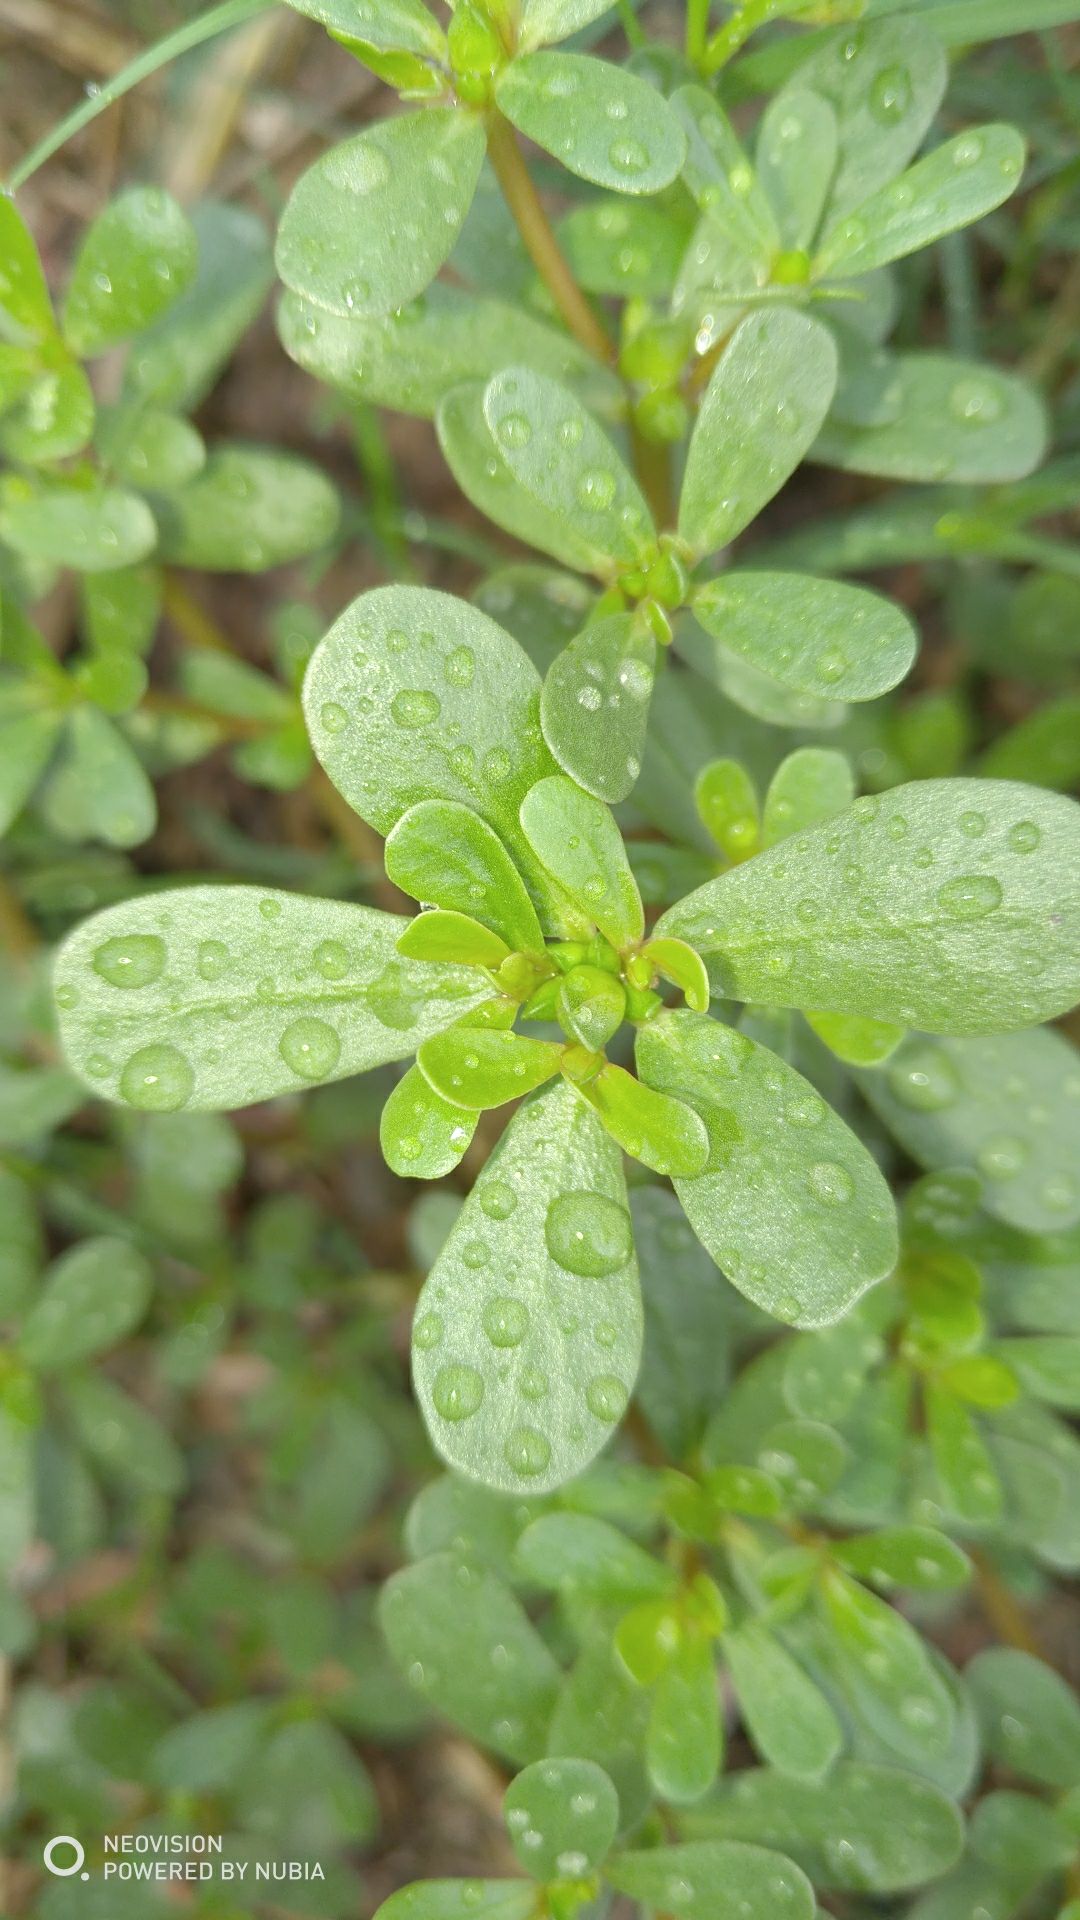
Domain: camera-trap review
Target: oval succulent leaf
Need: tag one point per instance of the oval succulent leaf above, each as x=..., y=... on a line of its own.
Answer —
x=677, y=962
x=391, y=26
x=590, y=1004
x=594, y=708
x=485, y=478
x=248, y=508
x=423, y=1136
x=884, y=82
x=443, y=853
x=663, y=1133
x=91, y=1297
x=481, y=1070
x=370, y=224
x=811, y=784
x=763, y=406
x=576, y=840
x=946, y=189
x=562, y=1817
x=684, y=1741
x=795, y=158
x=950, y=419
x=791, y=1206
x=948, y=905
x=452, y=936
x=557, y=453
x=528, y=1330
x=788, y=1718
x=723, y=182
x=137, y=258
x=546, y=20
x=603, y=123
x=815, y=636
x=715, y=1880
x=217, y=996
x=96, y=788
x=93, y=528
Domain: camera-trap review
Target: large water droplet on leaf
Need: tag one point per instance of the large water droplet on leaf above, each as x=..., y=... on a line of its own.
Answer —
x=588, y=1234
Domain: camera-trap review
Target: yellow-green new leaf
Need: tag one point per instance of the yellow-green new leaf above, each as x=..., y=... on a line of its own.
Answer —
x=663, y=1133
x=948, y=905
x=423, y=1136
x=480, y=1070
x=443, y=854
x=576, y=840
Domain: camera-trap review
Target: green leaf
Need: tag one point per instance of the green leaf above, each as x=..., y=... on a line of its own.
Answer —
x=121, y=608
x=686, y=1322
x=942, y=904
x=443, y=852
x=1006, y=1107
x=884, y=81
x=481, y=1070
x=762, y=409
x=478, y=466
x=248, y=509
x=594, y=708
x=1030, y=1717
x=556, y=452
x=918, y=1558
x=958, y=183
x=411, y=359
x=579, y=1554
x=791, y=1207
x=720, y=177
x=28, y=735
x=1047, y=1367
x=229, y=686
x=178, y=359
x=795, y=158
x=675, y=961
x=96, y=788
x=392, y=26
x=662, y=1133
x=91, y=1297
x=683, y=1743
x=414, y=695
x=452, y=936
x=621, y=248
x=602, y=122
x=546, y=20
x=136, y=258
x=727, y=802
x=22, y=1242
x=91, y=528
x=715, y=1880
x=148, y=447
x=528, y=1330
x=814, y=636
x=562, y=1817
x=370, y=224
x=52, y=419
x=856, y=1041
x=24, y=295
x=590, y=1005
x=126, y=1442
x=866, y=1828
x=787, y=1717
x=460, y=1900
x=883, y=1664
x=969, y=1485
x=446, y=1653
x=215, y=996
x=952, y=420
x=423, y=1136
x=576, y=840
x=809, y=785
x=305, y=1788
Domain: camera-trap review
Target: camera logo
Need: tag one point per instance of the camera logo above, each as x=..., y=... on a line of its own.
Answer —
x=49, y=1856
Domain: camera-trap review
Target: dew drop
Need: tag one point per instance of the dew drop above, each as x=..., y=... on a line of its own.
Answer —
x=505, y=1321
x=460, y=667
x=213, y=960
x=333, y=716
x=971, y=896
x=1002, y=1156
x=332, y=959
x=498, y=1200
x=890, y=95
x=1024, y=837
x=514, y=430
x=596, y=489
x=428, y=1331
x=527, y=1452
x=925, y=1080
x=158, y=1079
x=415, y=707
x=457, y=1392
x=588, y=1234
x=132, y=960
x=475, y=1254
x=830, y=1183
x=310, y=1048
x=606, y=1397
x=628, y=156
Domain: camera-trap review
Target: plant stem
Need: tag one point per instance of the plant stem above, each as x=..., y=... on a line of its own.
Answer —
x=652, y=465
x=697, y=31
x=1002, y=1609
x=735, y=32
x=535, y=229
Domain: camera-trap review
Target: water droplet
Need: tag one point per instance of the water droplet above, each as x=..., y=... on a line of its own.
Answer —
x=428, y=1331
x=570, y=432
x=1002, y=1156
x=1024, y=837
x=590, y=698
x=460, y=667
x=498, y=764
x=606, y=1397
x=527, y=1452
x=832, y=665
x=506, y=1321
x=975, y=402
x=270, y=908
x=158, y=1079
x=588, y=1234
x=890, y=95
x=967, y=151
x=332, y=959
x=333, y=716
x=973, y=824
x=924, y=1079
x=830, y=1183
x=514, y=430
x=67, y=996
x=310, y=1048
x=415, y=707
x=534, y=1384
x=596, y=489
x=132, y=960
x=475, y=1254
x=971, y=896
x=498, y=1200
x=457, y=1392
x=628, y=156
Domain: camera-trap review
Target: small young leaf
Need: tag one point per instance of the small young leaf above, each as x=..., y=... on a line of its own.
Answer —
x=866, y=1828
x=857, y=1041
x=919, y=1558
x=96, y=788
x=787, y=1717
x=516, y=1389
x=602, y=122
x=91, y=528
x=135, y=260
x=249, y=508
x=795, y=158
x=762, y=409
x=442, y=852
x=663, y=1133
x=1030, y=1717
x=452, y=936
x=393, y=26
x=28, y=735
x=562, y=1817
x=52, y=419
x=723, y=182
x=150, y=448
x=546, y=20
x=216, y=996
x=595, y=705
x=792, y=1207
x=675, y=961
x=414, y=695
x=557, y=453
x=953, y=420
x=128, y=1444
x=683, y=1743
x=1003, y=1106
x=576, y=840
x=970, y=1487
x=423, y=1136
x=370, y=224
x=478, y=466
x=715, y=1880
x=884, y=82
x=590, y=1005
x=815, y=636
x=949, y=188
x=584, y=1555
x=91, y=1297
x=481, y=1070
x=845, y=919
x=811, y=784
x=727, y=801
x=446, y=1653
